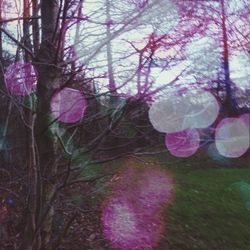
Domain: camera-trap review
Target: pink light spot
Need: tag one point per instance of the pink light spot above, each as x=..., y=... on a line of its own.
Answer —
x=21, y=79
x=184, y=143
x=68, y=105
x=151, y=187
x=232, y=137
x=131, y=218
x=127, y=227
x=155, y=188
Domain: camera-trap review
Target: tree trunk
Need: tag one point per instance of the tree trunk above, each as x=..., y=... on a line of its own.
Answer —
x=35, y=26
x=49, y=79
x=40, y=209
x=230, y=102
x=111, y=84
x=1, y=50
x=26, y=32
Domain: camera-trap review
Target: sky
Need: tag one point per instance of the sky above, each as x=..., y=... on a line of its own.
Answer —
x=158, y=19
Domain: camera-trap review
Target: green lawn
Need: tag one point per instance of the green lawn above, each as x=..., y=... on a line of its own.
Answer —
x=208, y=211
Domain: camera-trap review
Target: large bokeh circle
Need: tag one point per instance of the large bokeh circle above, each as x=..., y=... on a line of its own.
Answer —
x=68, y=105
x=21, y=78
x=232, y=137
x=184, y=143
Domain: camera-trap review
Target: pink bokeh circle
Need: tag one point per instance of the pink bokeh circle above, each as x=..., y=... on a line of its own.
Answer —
x=151, y=187
x=126, y=226
x=184, y=143
x=68, y=105
x=155, y=189
x=21, y=79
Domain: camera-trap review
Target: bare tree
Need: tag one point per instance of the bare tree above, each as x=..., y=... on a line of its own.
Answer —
x=106, y=132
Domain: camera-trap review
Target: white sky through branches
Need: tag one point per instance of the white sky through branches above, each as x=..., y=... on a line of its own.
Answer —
x=125, y=62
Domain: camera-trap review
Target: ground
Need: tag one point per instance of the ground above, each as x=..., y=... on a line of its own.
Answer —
x=210, y=209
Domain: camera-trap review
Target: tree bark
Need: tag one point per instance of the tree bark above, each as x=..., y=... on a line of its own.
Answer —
x=1, y=50
x=40, y=209
x=230, y=102
x=26, y=32
x=49, y=78
x=35, y=26
x=112, y=85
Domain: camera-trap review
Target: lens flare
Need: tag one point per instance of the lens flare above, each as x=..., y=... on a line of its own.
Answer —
x=68, y=105
x=232, y=137
x=216, y=156
x=244, y=189
x=132, y=216
x=127, y=227
x=184, y=143
x=167, y=115
x=193, y=109
x=155, y=189
x=203, y=108
x=21, y=79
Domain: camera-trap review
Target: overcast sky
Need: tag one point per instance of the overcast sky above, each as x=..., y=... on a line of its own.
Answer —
x=124, y=67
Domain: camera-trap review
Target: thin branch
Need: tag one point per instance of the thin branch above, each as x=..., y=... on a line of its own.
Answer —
x=17, y=42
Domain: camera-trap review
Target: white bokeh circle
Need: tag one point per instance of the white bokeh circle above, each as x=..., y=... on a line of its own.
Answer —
x=175, y=113
x=203, y=108
x=232, y=137
x=167, y=115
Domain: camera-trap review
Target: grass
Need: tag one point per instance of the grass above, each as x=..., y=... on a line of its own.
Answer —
x=208, y=212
